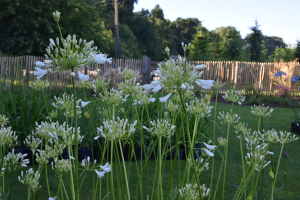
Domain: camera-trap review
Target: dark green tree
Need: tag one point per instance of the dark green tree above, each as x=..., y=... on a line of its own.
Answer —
x=27, y=25
x=199, y=45
x=273, y=42
x=255, y=42
x=297, y=51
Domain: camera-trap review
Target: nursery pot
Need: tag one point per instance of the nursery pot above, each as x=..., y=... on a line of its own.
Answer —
x=65, y=154
x=84, y=153
x=180, y=154
x=295, y=128
x=197, y=151
x=25, y=150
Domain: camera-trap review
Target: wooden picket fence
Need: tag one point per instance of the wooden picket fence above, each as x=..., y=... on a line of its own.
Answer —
x=241, y=74
x=258, y=75
x=21, y=70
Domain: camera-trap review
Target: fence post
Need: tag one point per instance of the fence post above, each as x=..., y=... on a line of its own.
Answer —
x=146, y=69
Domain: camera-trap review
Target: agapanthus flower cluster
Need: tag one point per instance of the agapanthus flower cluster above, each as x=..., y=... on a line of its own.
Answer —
x=32, y=142
x=61, y=166
x=130, y=87
x=257, y=160
x=52, y=115
x=145, y=98
x=191, y=192
x=66, y=105
x=228, y=118
x=188, y=94
x=199, y=107
x=235, y=96
x=31, y=179
x=40, y=85
x=222, y=141
x=261, y=111
x=280, y=73
x=86, y=162
x=200, y=166
x=105, y=169
x=105, y=113
x=14, y=161
x=218, y=85
x=269, y=136
x=286, y=137
x=240, y=128
x=161, y=127
x=8, y=137
x=100, y=85
x=128, y=74
x=64, y=134
x=3, y=120
x=113, y=97
x=171, y=107
x=116, y=129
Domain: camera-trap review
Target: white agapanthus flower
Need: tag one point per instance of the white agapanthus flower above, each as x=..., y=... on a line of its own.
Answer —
x=83, y=104
x=228, y=118
x=205, y=84
x=31, y=179
x=191, y=192
x=66, y=105
x=61, y=166
x=83, y=77
x=100, y=174
x=3, y=120
x=165, y=98
x=106, y=167
x=40, y=72
x=235, y=96
x=261, y=111
x=161, y=128
x=14, y=161
x=199, y=107
x=116, y=129
x=8, y=137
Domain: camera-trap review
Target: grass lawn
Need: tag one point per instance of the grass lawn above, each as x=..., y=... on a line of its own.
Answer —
x=280, y=120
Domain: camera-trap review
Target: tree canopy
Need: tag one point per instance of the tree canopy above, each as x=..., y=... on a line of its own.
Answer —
x=26, y=27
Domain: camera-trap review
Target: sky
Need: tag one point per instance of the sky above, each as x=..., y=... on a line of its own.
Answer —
x=276, y=17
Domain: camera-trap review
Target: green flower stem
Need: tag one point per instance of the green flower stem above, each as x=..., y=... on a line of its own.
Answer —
x=190, y=142
x=29, y=195
x=59, y=185
x=273, y=187
x=125, y=173
x=87, y=106
x=111, y=172
x=99, y=196
x=65, y=190
x=159, y=190
x=242, y=158
x=11, y=182
x=76, y=140
x=95, y=192
x=45, y=102
x=46, y=172
x=220, y=173
x=214, y=142
x=226, y=152
x=71, y=174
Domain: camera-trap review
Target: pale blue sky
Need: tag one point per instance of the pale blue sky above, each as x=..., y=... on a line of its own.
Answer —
x=276, y=18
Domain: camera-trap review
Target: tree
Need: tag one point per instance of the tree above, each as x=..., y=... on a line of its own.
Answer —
x=183, y=31
x=199, y=45
x=26, y=25
x=297, y=51
x=255, y=42
x=273, y=42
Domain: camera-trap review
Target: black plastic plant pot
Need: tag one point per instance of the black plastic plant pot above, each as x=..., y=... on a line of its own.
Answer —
x=197, y=151
x=180, y=154
x=25, y=150
x=84, y=153
x=295, y=128
x=65, y=154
